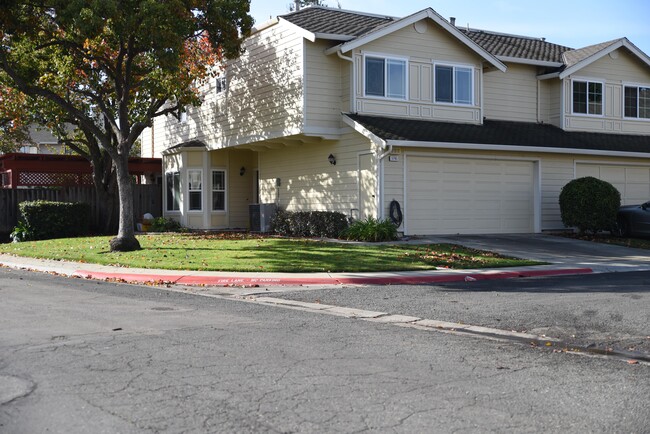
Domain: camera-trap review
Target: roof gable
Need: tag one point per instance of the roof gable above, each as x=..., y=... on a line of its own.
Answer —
x=429, y=13
x=578, y=59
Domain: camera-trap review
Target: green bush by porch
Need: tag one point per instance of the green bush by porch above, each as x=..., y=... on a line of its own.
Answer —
x=240, y=252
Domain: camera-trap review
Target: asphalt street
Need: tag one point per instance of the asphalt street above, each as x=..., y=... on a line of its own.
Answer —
x=88, y=356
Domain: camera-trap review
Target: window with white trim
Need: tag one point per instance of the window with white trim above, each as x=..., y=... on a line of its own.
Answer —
x=194, y=187
x=218, y=190
x=173, y=186
x=454, y=84
x=637, y=102
x=221, y=83
x=385, y=77
x=587, y=97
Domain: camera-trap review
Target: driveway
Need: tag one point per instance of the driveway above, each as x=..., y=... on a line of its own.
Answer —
x=556, y=250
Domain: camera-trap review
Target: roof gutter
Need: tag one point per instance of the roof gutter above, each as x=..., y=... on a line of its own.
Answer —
x=514, y=148
x=534, y=62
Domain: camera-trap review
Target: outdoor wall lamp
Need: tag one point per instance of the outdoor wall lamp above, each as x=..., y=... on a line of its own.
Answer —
x=332, y=160
x=242, y=171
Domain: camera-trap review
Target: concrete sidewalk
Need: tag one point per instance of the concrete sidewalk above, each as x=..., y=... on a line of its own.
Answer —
x=566, y=256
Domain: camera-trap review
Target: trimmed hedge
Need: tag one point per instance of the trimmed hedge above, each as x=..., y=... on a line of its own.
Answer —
x=42, y=220
x=162, y=224
x=372, y=230
x=590, y=205
x=322, y=224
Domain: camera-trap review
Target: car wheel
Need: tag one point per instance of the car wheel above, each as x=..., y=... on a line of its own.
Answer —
x=623, y=227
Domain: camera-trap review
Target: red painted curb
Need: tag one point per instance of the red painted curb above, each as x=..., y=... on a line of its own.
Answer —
x=277, y=281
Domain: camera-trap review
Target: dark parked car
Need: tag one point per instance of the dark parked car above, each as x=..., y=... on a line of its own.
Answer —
x=634, y=220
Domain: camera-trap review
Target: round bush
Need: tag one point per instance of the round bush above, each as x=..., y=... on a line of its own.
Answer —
x=589, y=204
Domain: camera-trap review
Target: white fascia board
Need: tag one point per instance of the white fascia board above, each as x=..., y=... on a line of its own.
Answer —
x=548, y=76
x=311, y=37
x=515, y=148
x=334, y=49
x=411, y=19
x=333, y=37
x=365, y=132
x=530, y=61
x=591, y=59
x=265, y=25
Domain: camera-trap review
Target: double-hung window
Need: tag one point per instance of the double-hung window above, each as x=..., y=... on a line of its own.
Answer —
x=454, y=84
x=194, y=183
x=385, y=77
x=173, y=186
x=637, y=102
x=218, y=190
x=221, y=83
x=587, y=97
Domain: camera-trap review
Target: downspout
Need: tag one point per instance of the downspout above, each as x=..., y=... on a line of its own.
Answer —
x=539, y=101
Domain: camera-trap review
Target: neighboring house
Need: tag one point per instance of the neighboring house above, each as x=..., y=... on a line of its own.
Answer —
x=469, y=131
x=43, y=142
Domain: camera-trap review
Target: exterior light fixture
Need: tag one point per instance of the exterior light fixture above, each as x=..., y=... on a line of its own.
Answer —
x=332, y=160
x=242, y=171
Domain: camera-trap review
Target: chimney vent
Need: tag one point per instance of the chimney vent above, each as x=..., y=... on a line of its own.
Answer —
x=297, y=3
x=452, y=20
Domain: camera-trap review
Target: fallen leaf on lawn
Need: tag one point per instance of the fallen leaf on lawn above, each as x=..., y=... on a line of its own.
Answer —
x=632, y=362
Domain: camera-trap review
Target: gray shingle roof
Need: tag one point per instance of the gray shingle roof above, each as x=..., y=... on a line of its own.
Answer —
x=575, y=56
x=517, y=46
x=515, y=134
x=317, y=19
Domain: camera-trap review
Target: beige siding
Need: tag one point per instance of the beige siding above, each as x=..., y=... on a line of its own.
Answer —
x=511, y=95
x=308, y=181
x=422, y=50
x=240, y=187
x=323, y=90
x=614, y=70
x=264, y=89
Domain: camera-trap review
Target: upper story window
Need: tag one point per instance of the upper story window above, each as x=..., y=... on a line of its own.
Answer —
x=587, y=97
x=195, y=189
x=637, y=102
x=222, y=83
x=385, y=77
x=454, y=84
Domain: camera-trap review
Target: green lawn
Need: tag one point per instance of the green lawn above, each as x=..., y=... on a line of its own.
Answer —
x=241, y=252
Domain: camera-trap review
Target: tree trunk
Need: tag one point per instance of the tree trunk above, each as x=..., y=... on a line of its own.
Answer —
x=125, y=240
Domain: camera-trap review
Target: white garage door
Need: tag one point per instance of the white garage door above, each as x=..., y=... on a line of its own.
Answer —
x=458, y=195
x=633, y=182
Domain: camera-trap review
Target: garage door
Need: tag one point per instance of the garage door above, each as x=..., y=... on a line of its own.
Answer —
x=633, y=182
x=457, y=195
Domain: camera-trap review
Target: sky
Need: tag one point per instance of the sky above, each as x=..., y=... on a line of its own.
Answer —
x=573, y=23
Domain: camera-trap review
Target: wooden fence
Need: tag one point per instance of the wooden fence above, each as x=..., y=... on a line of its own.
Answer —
x=147, y=198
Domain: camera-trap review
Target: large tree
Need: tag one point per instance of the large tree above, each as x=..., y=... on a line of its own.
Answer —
x=112, y=66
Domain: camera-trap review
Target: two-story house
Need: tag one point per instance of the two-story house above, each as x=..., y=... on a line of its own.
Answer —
x=469, y=131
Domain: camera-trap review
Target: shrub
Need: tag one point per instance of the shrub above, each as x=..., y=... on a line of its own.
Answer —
x=42, y=220
x=371, y=229
x=162, y=224
x=590, y=205
x=324, y=224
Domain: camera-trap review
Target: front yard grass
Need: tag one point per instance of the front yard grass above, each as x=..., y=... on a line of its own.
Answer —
x=241, y=252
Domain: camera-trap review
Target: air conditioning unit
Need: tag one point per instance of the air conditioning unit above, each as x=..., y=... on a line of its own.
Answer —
x=261, y=215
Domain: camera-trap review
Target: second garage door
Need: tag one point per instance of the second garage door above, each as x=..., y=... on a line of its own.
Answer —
x=468, y=196
x=633, y=182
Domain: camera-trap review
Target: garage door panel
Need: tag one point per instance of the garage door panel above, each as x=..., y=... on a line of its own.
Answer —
x=456, y=195
x=633, y=182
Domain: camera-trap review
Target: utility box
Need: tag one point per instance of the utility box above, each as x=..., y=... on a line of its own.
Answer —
x=261, y=215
